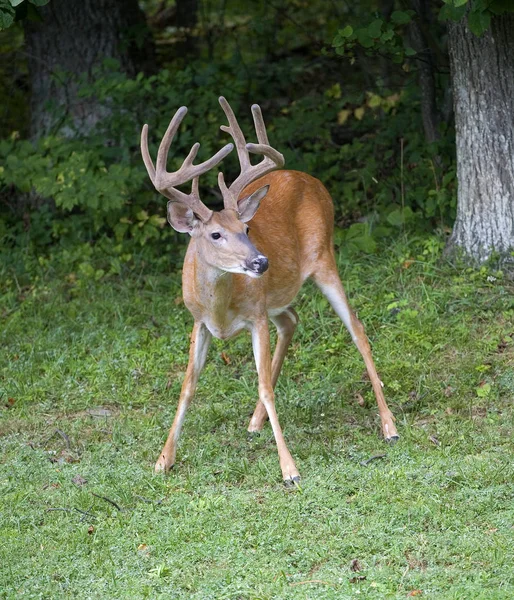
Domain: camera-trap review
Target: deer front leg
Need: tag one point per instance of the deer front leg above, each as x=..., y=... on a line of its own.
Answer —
x=200, y=342
x=262, y=354
x=285, y=323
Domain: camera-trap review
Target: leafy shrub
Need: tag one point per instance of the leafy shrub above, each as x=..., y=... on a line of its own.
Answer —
x=367, y=148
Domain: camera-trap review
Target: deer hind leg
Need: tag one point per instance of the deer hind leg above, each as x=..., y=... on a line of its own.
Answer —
x=285, y=323
x=328, y=281
x=200, y=342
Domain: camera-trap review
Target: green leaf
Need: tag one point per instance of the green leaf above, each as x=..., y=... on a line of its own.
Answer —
x=39, y=2
x=357, y=237
x=399, y=17
x=409, y=51
x=6, y=14
x=478, y=22
x=338, y=41
x=484, y=390
x=15, y=2
x=450, y=13
x=457, y=3
x=399, y=217
x=395, y=218
x=364, y=38
x=480, y=5
x=375, y=28
x=448, y=178
x=343, y=37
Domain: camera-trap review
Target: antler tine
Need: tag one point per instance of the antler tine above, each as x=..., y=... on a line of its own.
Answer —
x=165, y=182
x=235, y=131
x=263, y=147
x=272, y=158
x=260, y=128
x=177, y=195
x=147, y=159
x=164, y=147
x=274, y=155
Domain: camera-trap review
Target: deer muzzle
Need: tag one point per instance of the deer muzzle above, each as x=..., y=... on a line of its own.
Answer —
x=258, y=265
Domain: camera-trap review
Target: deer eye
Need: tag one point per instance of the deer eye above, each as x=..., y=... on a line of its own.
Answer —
x=215, y=235
x=247, y=230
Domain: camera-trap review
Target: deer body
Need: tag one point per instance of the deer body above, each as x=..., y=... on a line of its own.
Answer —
x=227, y=285
x=227, y=303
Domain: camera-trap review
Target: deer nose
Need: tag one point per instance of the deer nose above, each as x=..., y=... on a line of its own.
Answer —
x=259, y=264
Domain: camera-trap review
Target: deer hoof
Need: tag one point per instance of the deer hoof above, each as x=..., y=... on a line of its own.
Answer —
x=392, y=439
x=162, y=467
x=293, y=482
x=253, y=435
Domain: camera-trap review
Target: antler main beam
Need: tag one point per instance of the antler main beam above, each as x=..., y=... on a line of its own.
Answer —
x=272, y=158
x=165, y=182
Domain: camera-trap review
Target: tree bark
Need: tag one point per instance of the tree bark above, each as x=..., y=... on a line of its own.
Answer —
x=74, y=37
x=482, y=71
x=186, y=18
x=426, y=69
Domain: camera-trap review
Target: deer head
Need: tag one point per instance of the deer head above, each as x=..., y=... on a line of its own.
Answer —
x=221, y=238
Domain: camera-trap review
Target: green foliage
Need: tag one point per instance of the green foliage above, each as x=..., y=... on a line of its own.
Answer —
x=7, y=14
x=365, y=143
x=378, y=36
x=102, y=177
x=67, y=172
x=14, y=10
x=410, y=184
x=479, y=15
x=479, y=21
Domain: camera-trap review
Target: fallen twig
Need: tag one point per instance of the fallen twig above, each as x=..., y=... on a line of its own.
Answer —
x=107, y=500
x=64, y=437
x=366, y=462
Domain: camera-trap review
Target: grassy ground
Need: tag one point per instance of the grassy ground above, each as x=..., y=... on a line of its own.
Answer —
x=90, y=374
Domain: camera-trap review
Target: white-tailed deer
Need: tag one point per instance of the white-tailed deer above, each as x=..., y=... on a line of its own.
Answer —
x=227, y=285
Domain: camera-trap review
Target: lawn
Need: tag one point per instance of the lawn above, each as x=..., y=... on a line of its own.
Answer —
x=90, y=371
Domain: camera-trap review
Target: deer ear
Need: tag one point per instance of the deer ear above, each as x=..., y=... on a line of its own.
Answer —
x=181, y=217
x=247, y=207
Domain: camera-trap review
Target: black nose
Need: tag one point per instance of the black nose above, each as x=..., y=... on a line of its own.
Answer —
x=259, y=264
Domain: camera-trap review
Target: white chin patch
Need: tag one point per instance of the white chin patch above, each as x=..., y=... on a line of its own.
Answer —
x=244, y=271
x=239, y=270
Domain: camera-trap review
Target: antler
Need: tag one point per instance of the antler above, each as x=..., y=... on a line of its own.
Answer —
x=165, y=182
x=272, y=158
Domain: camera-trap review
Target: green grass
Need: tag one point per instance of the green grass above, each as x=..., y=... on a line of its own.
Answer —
x=90, y=372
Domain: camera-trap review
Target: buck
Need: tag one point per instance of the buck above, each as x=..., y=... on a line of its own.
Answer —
x=245, y=265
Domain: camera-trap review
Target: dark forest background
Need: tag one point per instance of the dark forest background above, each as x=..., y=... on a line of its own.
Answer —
x=357, y=94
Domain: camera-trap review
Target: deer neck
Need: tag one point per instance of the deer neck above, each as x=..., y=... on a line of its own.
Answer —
x=213, y=289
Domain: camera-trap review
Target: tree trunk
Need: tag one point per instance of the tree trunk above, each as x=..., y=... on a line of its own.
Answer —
x=385, y=8
x=426, y=69
x=482, y=71
x=74, y=37
x=186, y=19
